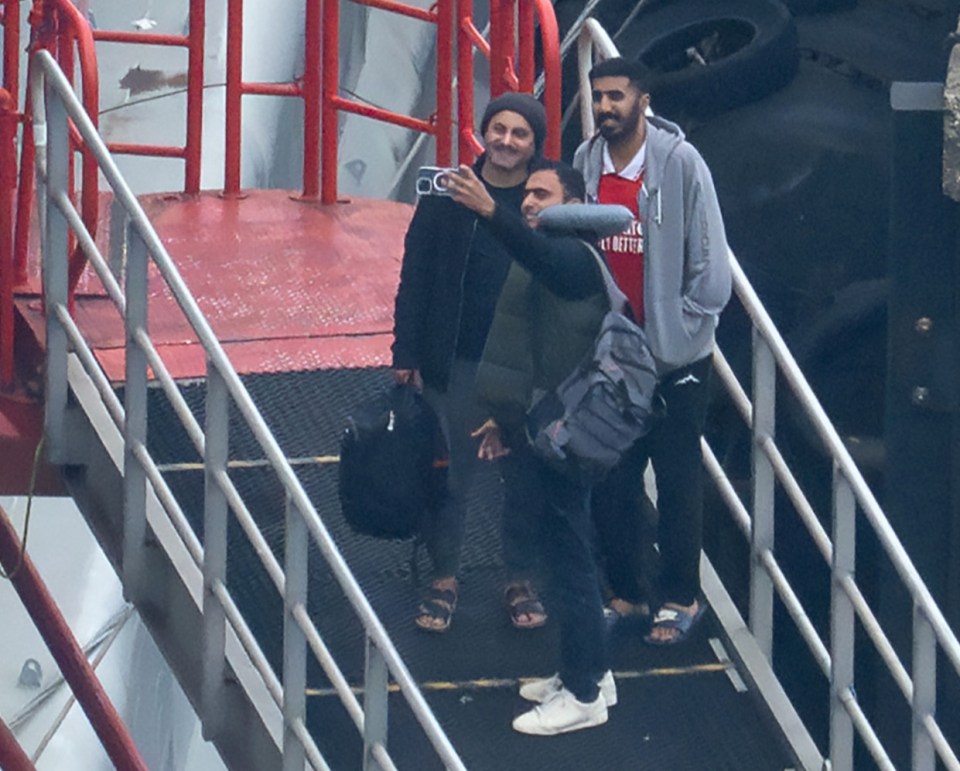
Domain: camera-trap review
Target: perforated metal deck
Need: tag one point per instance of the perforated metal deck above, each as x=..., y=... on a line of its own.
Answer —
x=301, y=296
x=679, y=707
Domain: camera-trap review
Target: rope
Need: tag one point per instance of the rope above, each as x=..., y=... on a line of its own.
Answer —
x=26, y=522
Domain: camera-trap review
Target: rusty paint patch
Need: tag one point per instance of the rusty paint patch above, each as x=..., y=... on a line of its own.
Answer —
x=140, y=81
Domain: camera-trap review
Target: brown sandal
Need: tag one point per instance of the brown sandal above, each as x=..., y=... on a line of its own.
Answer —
x=524, y=606
x=436, y=609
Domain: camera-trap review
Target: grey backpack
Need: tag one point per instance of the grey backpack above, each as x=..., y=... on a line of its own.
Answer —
x=606, y=403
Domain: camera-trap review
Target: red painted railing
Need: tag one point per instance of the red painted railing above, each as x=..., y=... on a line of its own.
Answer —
x=12, y=756
x=9, y=120
x=58, y=26
x=194, y=43
x=502, y=53
x=73, y=664
x=442, y=122
x=10, y=15
x=74, y=45
x=539, y=14
x=308, y=89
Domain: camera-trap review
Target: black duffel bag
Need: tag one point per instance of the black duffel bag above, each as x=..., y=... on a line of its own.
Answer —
x=392, y=472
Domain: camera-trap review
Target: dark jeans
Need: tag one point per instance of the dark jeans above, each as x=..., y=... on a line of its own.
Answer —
x=566, y=545
x=673, y=446
x=459, y=414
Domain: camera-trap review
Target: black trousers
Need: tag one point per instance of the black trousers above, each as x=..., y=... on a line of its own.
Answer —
x=459, y=414
x=673, y=446
x=561, y=502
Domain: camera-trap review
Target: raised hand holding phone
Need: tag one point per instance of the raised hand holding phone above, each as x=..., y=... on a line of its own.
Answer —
x=466, y=188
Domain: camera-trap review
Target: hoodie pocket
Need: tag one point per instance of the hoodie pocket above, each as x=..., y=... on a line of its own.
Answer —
x=675, y=335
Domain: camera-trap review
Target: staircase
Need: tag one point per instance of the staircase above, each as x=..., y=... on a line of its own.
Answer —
x=179, y=580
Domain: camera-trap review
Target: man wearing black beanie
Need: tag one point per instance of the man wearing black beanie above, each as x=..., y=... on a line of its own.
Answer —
x=453, y=271
x=526, y=107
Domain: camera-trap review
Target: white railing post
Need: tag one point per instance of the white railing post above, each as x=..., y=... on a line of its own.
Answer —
x=924, y=675
x=215, y=509
x=55, y=272
x=842, y=619
x=118, y=238
x=376, y=678
x=584, y=65
x=135, y=423
x=592, y=38
x=762, y=530
x=294, y=641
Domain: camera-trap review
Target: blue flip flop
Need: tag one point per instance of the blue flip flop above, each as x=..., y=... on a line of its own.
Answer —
x=637, y=620
x=675, y=619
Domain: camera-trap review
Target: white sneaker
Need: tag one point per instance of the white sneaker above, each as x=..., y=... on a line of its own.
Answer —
x=541, y=690
x=562, y=713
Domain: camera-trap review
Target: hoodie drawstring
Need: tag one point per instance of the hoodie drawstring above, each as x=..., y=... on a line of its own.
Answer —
x=658, y=217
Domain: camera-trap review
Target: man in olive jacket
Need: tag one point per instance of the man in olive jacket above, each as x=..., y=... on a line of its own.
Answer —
x=546, y=321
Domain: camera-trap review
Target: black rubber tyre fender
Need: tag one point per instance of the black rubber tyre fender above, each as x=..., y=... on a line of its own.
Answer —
x=747, y=49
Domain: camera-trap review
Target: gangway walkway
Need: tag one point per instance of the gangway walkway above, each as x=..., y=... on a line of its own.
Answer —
x=234, y=624
x=679, y=708
x=200, y=549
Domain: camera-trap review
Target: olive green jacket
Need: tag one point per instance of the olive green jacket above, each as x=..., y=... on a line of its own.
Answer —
x=545, y=322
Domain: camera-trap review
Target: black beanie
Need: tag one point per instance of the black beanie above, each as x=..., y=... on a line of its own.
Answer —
x=524, y=105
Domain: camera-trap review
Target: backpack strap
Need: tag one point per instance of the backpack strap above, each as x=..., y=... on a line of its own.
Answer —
x=618, y=300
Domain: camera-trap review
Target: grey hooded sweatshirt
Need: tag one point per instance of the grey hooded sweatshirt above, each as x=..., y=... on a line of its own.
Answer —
x=686, y=264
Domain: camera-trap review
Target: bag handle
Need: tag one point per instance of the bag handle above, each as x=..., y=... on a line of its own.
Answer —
x=618, y=300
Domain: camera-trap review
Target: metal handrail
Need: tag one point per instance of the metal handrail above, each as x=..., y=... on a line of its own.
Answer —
x=847, y=474
x=592, y=37
x=56, y=218
x=847, y=467
x=73, y=42
x=850, y=493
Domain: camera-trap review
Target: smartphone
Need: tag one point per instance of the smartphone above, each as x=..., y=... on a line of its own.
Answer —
x=431, y=180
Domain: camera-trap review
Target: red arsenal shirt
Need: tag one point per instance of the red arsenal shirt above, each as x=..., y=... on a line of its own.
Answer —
x=624, y=251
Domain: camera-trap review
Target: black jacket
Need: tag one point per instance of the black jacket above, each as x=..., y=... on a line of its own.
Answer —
x=562, y=263
x=430, y=299
x=427, y=310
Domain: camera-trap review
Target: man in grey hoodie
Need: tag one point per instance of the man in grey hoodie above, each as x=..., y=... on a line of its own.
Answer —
x=674, y=267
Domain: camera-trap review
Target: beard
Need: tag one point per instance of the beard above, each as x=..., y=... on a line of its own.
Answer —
x=619, y=127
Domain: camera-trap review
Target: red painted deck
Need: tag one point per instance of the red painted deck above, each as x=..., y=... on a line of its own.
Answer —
x=286, y=285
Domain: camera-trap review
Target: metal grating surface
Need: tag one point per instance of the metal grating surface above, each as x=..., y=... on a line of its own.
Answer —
x=678, y=710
